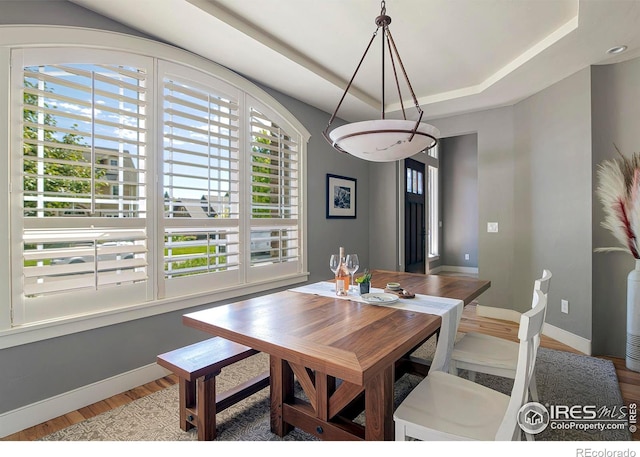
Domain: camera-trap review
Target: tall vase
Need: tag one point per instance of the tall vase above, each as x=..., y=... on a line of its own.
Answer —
x=633, y=319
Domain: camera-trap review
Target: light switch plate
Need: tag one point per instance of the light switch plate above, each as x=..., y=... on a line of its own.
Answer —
x=564, y=306
x=492, y=227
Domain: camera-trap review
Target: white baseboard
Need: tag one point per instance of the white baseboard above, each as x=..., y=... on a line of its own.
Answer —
x=50, y=408
x=576, y=342
x=570, y=339
x=455, y=269
x=498, y=313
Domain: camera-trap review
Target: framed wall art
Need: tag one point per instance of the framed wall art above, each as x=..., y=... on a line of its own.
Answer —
x=341, y=197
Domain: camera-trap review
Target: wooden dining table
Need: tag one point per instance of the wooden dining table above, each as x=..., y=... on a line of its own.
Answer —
x=343, y=353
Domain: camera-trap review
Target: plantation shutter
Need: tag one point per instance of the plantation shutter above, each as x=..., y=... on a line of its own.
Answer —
x=138, y=183
x=200, y=182
x=84, y=183
x=275, y=194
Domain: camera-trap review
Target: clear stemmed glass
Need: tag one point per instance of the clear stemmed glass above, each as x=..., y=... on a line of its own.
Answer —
x=352, y=265
x=334, y=263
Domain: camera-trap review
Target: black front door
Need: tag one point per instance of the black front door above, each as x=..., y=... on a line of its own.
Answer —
x=414, y=216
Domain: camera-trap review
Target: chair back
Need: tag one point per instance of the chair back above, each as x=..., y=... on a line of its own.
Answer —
x=530, y=328
x=544, y=282
x=542, y=285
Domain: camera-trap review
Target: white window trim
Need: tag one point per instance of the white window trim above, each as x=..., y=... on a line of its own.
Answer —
x=434, y=232
x=62, y=36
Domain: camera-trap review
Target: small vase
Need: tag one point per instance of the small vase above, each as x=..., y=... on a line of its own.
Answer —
x=364, y=288
x=633, y=319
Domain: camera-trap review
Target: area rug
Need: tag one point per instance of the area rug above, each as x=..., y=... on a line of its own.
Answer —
x=563, y=379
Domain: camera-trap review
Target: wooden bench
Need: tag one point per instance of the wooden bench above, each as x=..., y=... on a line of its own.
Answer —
x=196, y=367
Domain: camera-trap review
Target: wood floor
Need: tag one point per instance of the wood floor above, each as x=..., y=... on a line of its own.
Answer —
x=629, y=380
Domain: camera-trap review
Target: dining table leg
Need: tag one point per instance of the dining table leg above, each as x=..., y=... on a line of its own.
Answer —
x=281, y=390
x=378, y=403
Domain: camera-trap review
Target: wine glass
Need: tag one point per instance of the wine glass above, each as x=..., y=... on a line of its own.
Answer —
x=334, y=263
x=352, y=265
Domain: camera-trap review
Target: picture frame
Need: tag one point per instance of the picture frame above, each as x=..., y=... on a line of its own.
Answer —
x=341, y=197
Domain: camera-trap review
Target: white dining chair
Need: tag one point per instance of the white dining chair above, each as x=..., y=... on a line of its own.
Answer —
x=480, y=353
x=445, y=407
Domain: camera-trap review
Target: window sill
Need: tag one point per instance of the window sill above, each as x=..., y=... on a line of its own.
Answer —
x=31, y=333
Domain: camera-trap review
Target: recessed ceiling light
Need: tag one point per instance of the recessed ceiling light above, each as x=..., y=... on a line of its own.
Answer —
x=617, y=50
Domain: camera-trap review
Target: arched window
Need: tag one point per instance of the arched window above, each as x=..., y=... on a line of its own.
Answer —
x=140, y=181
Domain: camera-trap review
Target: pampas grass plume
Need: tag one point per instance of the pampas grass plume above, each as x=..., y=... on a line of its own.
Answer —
x=619, y=192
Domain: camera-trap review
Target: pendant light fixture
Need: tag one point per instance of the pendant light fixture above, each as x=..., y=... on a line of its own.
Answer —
x=383, y=140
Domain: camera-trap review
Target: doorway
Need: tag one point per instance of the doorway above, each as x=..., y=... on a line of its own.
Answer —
x=414, y=216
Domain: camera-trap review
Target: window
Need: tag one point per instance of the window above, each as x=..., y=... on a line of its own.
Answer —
x=79, y=236
x=201, y=182
x=414, y=181
x=433, y=152
x=275, y=198
x=434, y=214
x=128, y=198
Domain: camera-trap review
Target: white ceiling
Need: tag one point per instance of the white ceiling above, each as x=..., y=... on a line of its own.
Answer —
x=460, y=55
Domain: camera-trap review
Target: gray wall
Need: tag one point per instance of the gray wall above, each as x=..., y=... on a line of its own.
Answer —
x=553, y=199
x=40, y=370
x=459, y=207
x=383, y=227
x=615, y=93
x=495, y=136
x=543, y=140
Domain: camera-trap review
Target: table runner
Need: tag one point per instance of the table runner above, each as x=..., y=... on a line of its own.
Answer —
x=450, y=310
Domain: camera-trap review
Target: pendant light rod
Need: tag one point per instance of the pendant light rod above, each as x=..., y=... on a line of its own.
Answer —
x=394, y=50
x=404, y=72
x=325, y=133
x=383, y=21
x=395, y=73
